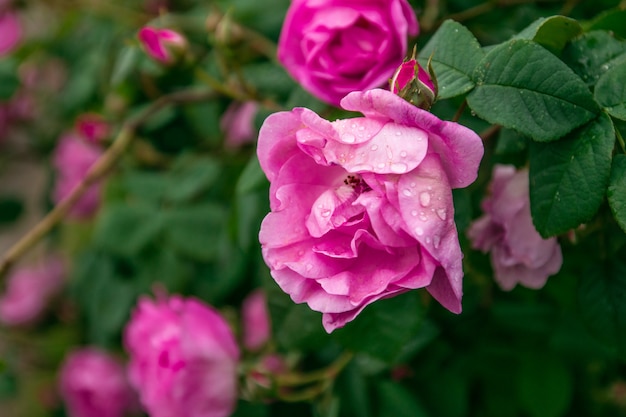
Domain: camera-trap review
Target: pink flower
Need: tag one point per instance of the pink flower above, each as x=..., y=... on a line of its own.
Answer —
x=413, y=83
x=92, y=127
x=256, y=321
x=161, y=44
x=28, y=291
x=333, y=47
x=10, y=32
x=183, y=358
x=238, y=123
x=519, y=255
x=72, y=160
x=93, y=384
x=361, y=209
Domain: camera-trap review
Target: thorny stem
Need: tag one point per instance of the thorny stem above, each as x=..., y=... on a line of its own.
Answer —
x=460, y=111
x=97, y=171
x=489, y=132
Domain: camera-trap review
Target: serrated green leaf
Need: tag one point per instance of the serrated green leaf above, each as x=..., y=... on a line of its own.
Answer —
x=455, y=54
x=602, y=300
x=610, y=90
x=126, y=230
x=616, y=192
x=593, y=53
x=522, y=86
x=610, y=20
x=568, y=178
x=551, y=32
x=544, y=386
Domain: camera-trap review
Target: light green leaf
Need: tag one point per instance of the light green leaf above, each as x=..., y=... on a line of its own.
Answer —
x=551, y=32
x=522, y=86
x=610, y=90
x=568, y=178
x=455, y=54
x=616, y=192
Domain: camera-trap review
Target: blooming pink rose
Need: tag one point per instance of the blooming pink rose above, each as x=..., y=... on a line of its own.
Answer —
x=93, y=384
x=10, y=32
x=333, y=47
x=238, y=123
x=161, y=43
x=519, y=254
x=28, y=291
x=361, y=209
x=183, y=358
x=256, y=321
x=72, y=159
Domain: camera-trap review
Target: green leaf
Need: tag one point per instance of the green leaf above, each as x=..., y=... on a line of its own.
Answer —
x=126, y=62
x=455, y=54
x=127, y=229
x=616, y=192
x=593, y=53
x=544, y=386
x=394, y=400
x=610, y=90
x=610, y=20
x=568, y=178
x=522, y=86
x=551, y=32
x=252, y=178
x=194, y=231
x=602, y=300
x=384, y=327
x=190, y=176
x=9, y=82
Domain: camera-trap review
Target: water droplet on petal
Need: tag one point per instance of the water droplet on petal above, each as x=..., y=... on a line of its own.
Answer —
x=348, y=138
x=381, y=165
x=403, y=154
x=436, y=241
x=353, y=125
x=430, y=188
x=398, y=133
x=419, y=231
x=362, y=167
x=374, y=147
x=413, y=213
x=361, y=128
x=407, y=192
x=398, y=168
x=325, y=213
x=300, y=252
x=424, y=199
x=413, y=185
x=442, y=213
x=427, y=240
x=423, y=216
x=309, y=267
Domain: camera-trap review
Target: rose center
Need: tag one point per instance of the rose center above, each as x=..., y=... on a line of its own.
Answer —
x=357, y=184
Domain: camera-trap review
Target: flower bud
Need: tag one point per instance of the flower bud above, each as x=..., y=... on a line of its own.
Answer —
x=414, y=84
x=163, y=45
x=10, y=32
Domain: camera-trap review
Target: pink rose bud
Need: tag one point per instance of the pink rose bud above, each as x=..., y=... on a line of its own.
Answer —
x=72, y=160
x=93, y=384
x=92, y=127
x=256, y=321
x=519, y=255
x=183, y=358
x=163, y=45
x=238, y=123
x=334, y=47
x=414, y=84
x=28, y=291
x=10, y=32
x=361, y=209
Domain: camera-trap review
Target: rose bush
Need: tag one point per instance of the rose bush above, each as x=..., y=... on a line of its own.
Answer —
x=183, y=358
x=335, y=47
x=519, y=255
x=361, y=209
x=93, y=384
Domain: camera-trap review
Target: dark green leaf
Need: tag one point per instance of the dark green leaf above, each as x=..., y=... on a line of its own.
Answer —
x=544, y=386
x=610, y=90
x=610, y=20
x=190, y=176
x=9, y=82
x=396, y=401
x=616, y=192
x=127, y=229
x=593, y=53
x=522, y=86
x=195, y=231
x=568, y=178
x=11, y=208
x=455, y=54
x=551, y=32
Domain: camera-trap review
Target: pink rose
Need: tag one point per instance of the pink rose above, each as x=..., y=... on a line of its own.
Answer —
x=10, y=32
x=162, y=44
x=334, y=47
x=183, y=358
x=93, y=384
x=256, y=321
x=28, y=291
x=92, y=127
x=72, y=160
x=519, y=255
x=238, y=123
x=361, y=209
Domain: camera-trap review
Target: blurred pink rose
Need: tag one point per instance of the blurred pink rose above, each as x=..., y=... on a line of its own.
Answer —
x=238, y=123
x=28, y=291
x=256, y=321
x=93, y=384
x=361, y=209
x=519, y=255
x=10, y=32
x=334, y=47
x=183, y=358
x=161, y=44
x=72, y=159
x=92, y=127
